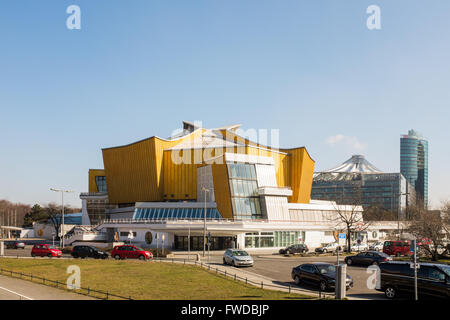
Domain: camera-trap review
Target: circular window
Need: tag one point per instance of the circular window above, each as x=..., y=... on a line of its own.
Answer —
x=148, y=237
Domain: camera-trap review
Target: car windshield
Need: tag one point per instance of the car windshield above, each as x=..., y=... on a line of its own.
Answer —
x=51, y=247
x=326, y=269
x=139, y=249
x=446, y=269
x=240, y=253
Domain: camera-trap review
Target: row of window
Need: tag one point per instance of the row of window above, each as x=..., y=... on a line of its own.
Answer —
x=246, y=207
x=244, y=188
x=242, y=171
x=176, y=213
x=274, y=239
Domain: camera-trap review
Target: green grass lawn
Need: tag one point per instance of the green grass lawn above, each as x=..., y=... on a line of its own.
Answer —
x=146, y=280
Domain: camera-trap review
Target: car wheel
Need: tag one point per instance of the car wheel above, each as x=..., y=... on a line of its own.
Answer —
x=233, y=263
x=49, y=255
x=324, y=251
x=297, y=280
x=117, y=257
x=224, y=261
x=323, y=286
x=33, y=255
x=390, y=292
x=349, y=261
x=398, y=254
x=288, y=252
x=75, y=255
x=141, y=257
x=375, y=263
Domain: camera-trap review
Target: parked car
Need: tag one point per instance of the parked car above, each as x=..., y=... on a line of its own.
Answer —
x=294, y=248
x=88, y=252
x=330, y=247
x=397, y=278
x=367, y=258
x=359, y=247
x=237, y=258
x=397, y=248
x=14, y=245
x=45, y=250
x=130, y=252
x=319, y=274
x=377, y=246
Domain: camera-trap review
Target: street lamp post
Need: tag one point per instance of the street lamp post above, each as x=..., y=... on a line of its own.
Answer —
x=205, y=190
x=62, y=214
x=400, y=209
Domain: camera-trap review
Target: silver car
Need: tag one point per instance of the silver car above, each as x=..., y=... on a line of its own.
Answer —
x=237, y=258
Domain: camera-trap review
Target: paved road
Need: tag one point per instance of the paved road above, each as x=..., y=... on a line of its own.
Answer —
x=279, y=268
x=26, y=252
x=16, y=289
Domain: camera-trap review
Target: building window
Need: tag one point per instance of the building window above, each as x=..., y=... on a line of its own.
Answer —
x=244, y=195
x=100, y=181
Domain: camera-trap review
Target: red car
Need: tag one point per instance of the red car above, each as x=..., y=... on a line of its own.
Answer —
x=130, y=252
x=45, y=250
x=397, y=248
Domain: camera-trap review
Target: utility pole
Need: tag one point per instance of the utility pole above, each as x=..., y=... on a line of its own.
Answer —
x=205, y=190
x=62, y=215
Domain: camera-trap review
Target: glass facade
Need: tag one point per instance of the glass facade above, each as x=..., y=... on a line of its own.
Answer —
x=273, y=239
x=244, y=195
x=100, y=181
x=414, y=163
x=381, y=190
x=175, y=213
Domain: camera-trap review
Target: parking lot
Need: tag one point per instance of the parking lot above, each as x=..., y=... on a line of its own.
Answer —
x=279, y=267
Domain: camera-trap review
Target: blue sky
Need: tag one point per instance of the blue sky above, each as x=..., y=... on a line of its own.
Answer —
x=138, y=68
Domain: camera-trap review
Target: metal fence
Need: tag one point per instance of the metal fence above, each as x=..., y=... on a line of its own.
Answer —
x=105, y=295
x=234, y=276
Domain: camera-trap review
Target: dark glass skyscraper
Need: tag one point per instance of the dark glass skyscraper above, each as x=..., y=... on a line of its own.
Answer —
x=414, y=163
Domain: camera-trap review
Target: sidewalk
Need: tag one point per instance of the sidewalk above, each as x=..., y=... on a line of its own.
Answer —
x=16, y=289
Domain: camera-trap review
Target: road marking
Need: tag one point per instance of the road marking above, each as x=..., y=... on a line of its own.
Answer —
x=13, y=292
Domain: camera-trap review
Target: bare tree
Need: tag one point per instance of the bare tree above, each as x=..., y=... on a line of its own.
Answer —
x=428, y=225
x=348, y=214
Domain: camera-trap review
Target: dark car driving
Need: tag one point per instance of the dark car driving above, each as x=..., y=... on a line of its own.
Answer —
x=88, y=252
x=295, y=248
x=367, y=258
x=397, y=279
x=319, y=274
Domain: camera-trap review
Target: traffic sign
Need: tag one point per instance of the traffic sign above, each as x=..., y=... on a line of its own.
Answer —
x=413, y=245
x=342, y=237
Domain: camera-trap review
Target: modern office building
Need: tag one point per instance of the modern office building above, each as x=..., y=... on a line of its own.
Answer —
x=414, y=163
x=357, y=181
x=171, y=192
